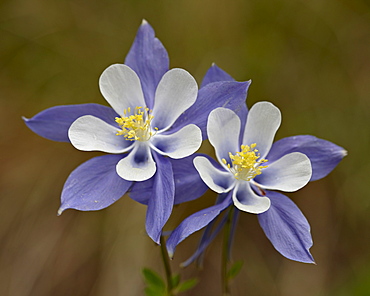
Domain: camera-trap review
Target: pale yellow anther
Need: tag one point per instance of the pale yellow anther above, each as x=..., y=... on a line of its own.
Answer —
x=245, y=165
x=135, y=127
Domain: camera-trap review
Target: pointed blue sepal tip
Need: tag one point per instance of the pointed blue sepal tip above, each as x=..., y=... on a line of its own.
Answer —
x=60, y=211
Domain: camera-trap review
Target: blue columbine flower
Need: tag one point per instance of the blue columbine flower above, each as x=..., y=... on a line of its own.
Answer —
x=141, y=130
x=157, y=118
x=249, y=168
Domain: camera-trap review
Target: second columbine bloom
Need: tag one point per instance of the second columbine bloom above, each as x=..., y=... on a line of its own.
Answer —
x=241, y=153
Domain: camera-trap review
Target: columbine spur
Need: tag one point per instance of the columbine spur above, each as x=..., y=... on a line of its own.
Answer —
x=157, y=118
x=249, y=168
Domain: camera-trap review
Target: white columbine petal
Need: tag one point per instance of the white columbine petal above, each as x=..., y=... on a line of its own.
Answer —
x=121, y=87
x=179, y=144
x=262, y=123
x=138, y=165
x=246, y=200
x=175, y=93
x=217, y=180
x=289, y=173
x=89, y=133
x=223, y=128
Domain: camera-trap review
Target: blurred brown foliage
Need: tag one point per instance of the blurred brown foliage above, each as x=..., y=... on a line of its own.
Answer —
x=310, y=58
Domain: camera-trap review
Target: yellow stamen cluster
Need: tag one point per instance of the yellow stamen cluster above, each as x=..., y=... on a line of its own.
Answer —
x=244, y=163
x=135, y=127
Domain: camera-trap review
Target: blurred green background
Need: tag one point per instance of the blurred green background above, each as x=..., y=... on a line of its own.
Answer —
x=310, y=58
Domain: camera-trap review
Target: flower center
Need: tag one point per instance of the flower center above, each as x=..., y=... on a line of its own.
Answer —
x=136, y=127
x=245, y=165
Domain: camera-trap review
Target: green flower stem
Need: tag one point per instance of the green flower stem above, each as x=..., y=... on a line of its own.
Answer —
x=167, y=266
x=225, y=254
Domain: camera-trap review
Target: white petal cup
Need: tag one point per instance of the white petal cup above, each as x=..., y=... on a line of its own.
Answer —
x=246, y=200
x=262, y=123
x=89, y=133
x=180, y=144
x=223, y=129
x=217, y=180
x=289, y=173
x=121, y=88
x=176, y=92
x=138, y=165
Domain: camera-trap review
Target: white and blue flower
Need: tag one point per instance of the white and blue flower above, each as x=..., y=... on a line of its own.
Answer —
x=249, y=167
x=157, y=117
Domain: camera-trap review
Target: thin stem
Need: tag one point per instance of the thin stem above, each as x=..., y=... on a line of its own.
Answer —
x=225, y=253
x=167, y=266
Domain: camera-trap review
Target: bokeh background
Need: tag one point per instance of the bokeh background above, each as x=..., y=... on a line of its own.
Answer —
x=310, y=58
